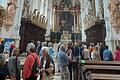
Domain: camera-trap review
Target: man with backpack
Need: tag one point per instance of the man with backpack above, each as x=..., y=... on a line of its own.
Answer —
x=31, y=65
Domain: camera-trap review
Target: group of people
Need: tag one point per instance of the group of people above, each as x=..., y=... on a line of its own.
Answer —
x=69, y=52
x=46, y=67
x=101, y=53
x=39, y=60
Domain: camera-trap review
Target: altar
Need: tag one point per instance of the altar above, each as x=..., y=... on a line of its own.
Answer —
x=65, y=37
x=66, y=21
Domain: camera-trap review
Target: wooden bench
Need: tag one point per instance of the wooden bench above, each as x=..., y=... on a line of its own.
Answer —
x=103, y=70
x=106, y=76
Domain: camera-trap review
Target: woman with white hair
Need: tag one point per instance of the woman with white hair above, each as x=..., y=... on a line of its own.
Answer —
x=47, y=65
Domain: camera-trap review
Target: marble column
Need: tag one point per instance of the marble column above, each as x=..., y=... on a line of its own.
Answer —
x=17, y=21
x=39, y=5
x=46, y=8
x=49, y=14
x=31, y=6
x=74, y=28
x=57, y=21
x=78, y=23
x=53, y=17
x=109, y=31
x=42, y=6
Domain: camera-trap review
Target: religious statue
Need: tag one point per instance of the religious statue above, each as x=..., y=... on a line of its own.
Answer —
x=114, y=12
x=10, y=12
x=26, y=8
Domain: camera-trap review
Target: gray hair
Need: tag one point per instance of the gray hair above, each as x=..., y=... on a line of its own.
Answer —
x=62, y=47
x=45, y=49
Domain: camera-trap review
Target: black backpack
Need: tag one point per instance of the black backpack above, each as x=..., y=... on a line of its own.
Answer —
x=35, y=67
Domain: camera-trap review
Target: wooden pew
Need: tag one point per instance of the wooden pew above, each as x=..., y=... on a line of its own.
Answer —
x=103, y=70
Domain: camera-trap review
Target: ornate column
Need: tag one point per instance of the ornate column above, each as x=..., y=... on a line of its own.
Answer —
x=78, y=24
x=57, y=21
x=17, y=21
x=53, y=18
x=74, y=28
x=101, y=10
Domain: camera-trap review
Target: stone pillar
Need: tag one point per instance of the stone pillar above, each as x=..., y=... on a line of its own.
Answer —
x=57, y=21
x=41, y=8
x=17, y=21
x=31, y=7
x=78, y=23
x=101, y=9
x=39, y=5
x=46, y=8
x=53, y=17
x=74, y=28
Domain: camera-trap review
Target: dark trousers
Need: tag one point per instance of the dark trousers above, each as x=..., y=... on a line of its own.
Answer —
x=32, y=77
x=70, y=70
